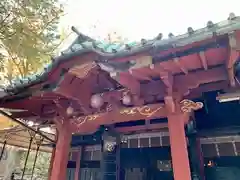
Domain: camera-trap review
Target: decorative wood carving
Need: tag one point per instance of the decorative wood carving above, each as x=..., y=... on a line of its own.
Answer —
x=80, y=124
x=83, y=70
x=188, y=106
x=79, y=121
x=144, y=111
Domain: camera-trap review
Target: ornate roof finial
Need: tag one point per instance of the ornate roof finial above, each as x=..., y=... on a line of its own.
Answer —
x=170, y=35
x=143, y=41
x=81, y=37
x=74, y=29
x=127, y=47
x=160, y=36
x=210, y=24
x=232, y=16
x=190, y=30
x=114, y=50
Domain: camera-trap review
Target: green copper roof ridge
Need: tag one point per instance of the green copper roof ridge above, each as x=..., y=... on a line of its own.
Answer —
x=219, y=29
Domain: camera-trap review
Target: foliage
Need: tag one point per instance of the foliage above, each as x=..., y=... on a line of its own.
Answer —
x=41, y=167
x=114, y=37
x=28, y=35
x=28, y=38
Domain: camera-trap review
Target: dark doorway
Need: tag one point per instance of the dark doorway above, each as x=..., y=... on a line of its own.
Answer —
x=146, y=163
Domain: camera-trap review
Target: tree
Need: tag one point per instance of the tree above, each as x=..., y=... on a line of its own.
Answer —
x=114, y=37
x=28, y=35
x=41, y=167
x=28, y=38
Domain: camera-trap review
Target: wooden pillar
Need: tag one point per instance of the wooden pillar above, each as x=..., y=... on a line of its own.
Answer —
x=195, y=152
x=78, y=164
x=179, y=151
x=59, y=169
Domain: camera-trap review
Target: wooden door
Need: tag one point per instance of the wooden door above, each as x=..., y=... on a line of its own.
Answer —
x=90, y=174
x=70, y=173
x=222, y=173
x=135, y=174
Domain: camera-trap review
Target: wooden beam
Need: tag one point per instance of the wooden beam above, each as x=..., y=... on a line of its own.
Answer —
x=203, y=60
x=166, y=77
x=92, y=122
x=108, y=82
x=139, y=75
x=69, y=88
x=184, y=83
x=181, y=85
x=195, y=93
x=128, y=81
x=137, y=70
x=133, y=85
x=84, y=70
x=142, y=128
x=178, y=63
x=26, y=126
x=233, y=55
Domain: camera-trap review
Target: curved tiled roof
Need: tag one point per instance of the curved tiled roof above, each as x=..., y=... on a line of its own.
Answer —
x=84, y=44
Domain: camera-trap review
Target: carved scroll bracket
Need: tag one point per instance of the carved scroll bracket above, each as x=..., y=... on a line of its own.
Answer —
x=188, y=106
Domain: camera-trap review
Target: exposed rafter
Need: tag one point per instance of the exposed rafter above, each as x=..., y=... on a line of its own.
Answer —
x=203, y=60
x=184, y=83
x=177, y=61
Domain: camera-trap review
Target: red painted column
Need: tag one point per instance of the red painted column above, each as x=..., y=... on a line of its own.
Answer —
x=179, y=151
x=59, y=168
x=78, y=164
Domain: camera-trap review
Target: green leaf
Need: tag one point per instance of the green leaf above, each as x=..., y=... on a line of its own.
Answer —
x=28, y=34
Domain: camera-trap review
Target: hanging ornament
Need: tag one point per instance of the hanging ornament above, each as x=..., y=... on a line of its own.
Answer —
x=127, y=99
x=96, y=101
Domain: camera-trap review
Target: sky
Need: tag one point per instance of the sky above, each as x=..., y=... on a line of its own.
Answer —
x=137, y=19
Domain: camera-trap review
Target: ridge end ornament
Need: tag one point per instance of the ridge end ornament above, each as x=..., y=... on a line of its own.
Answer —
x=188, y=106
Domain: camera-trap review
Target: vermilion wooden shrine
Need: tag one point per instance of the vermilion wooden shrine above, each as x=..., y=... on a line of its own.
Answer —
x=139, y=111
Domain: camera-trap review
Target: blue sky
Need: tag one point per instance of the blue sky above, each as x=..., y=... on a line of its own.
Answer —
x=136, y=19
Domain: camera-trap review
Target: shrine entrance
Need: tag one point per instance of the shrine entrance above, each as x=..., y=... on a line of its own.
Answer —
x=222, y=168
x=159, y=98
x=146, y=163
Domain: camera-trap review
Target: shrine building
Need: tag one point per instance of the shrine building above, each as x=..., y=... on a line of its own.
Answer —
x=158, y=109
